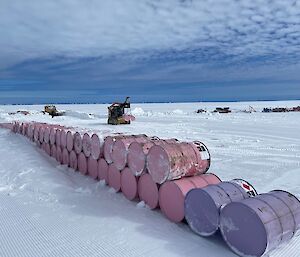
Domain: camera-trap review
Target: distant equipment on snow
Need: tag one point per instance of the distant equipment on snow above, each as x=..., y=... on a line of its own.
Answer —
x=19, y=112
x=51, y=110
x=267, y=110
x=282, y=109
x=222, y=110
x=117, y=115
x=250, y=110
x=201, y=111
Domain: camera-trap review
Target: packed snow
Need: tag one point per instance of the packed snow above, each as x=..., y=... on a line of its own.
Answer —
x=49, y=210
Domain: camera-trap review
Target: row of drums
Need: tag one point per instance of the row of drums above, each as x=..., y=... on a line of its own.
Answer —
x=163, y=159
x=137, y=165
x=171, y=175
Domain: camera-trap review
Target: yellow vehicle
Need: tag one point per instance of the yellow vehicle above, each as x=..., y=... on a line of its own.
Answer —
x=117, y=115
x=51, y=110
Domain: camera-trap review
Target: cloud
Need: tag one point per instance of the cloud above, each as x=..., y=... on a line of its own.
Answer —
x=73, y=28
x=148, y=42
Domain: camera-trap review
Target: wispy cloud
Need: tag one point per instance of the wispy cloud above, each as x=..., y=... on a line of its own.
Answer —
x=33, y=28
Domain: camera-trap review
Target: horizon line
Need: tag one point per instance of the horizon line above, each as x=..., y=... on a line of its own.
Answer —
x=153, y=102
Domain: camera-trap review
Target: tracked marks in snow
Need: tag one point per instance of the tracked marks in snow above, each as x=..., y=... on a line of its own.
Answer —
x=34, y=231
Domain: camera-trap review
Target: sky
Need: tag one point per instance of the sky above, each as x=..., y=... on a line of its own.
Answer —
x=73, y=51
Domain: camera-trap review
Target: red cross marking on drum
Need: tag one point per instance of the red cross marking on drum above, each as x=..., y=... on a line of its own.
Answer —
x=246, y=186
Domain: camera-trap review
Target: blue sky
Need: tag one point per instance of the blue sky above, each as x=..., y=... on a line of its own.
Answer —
x=72, y=51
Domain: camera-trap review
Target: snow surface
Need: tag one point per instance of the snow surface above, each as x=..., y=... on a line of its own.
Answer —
x=49, y=210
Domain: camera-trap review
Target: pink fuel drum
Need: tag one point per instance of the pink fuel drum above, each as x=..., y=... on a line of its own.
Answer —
x=77, y=143
x=96, y=146
x=70, y=140
x=103, y=170
x=65, y=157
x=18, y=127
x=137, y=153
x=36, y=132
x=24, y=129
x=107, y=150
x=30, y=131
x=190, y=159
x=120, y=149
x=86, y=144
x=172, y=194
x=73, y=160
x=148, y=191
x=63, y=138
x=82, y=163
x=129, y=184
x=41, y=134
x=58, y=154
x=14, y=128
x=108, y=147
x=114, y=177
x=203, y=156
x=52, y=136
x=43, y=146
x=53, y=151
x=48, y=148
x=136, y=158
x=57, y=137
x=92, y=167
x=166, y=162
x=47, y=135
